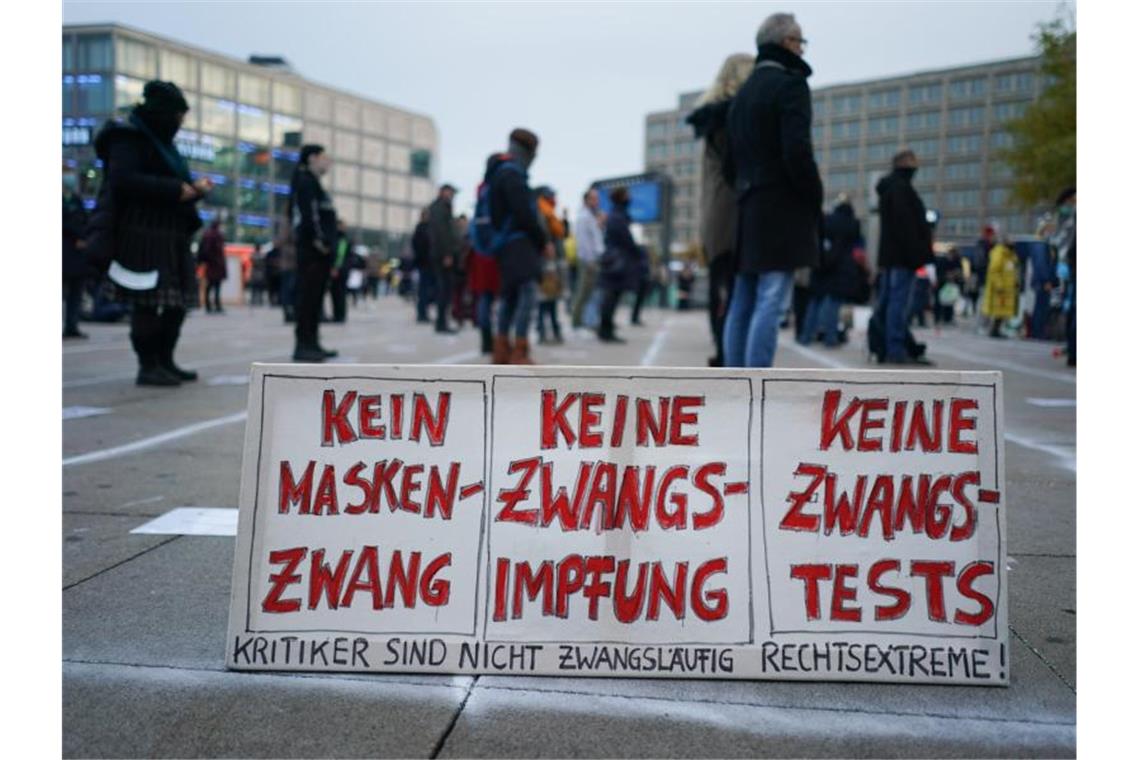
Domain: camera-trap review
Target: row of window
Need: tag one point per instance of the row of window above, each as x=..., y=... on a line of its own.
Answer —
x=665, y=150
x=996, y=197
x=922, y=121
x=929, y=92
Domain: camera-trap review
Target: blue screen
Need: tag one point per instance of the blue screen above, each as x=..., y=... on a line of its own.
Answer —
x=644, y=201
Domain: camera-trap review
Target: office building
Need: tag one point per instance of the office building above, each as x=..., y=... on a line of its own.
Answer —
x=671, y=149
x=246, y=124
x=952, y=118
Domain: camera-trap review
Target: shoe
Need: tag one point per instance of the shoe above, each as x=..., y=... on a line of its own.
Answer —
x=309, y=355
x=74, y=334
x=328, y=352
x=156, y=376
x=917, y=361
x=486, y=342
x=520, y=352
x=501, y=350
x=446, y=331
x=606, y=338
x=185, y=375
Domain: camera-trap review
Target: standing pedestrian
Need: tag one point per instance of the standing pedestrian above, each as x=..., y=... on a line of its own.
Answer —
x=550, y=282
x=837, y=277
x=1000, y=300
x=904, y=246
x=618, y=267
x=1065, y=243
x=483, y=281
x=520, y=243
x=779, y=191
x=142, y=226
x=338, y=274
x=589, y=247
x=286, y=267
x=212, y=256
x=314, y=233
x=421, y=260
x=718, y=196
x=74, y=255
x=444, y=253
x=981, y=262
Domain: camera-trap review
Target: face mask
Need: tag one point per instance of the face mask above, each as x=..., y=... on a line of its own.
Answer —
x=1066, y=211
x=908, y=172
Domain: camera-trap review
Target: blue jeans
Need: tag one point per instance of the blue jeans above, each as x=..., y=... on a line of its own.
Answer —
x=752, y=326
x=894, y=298
x=515, y=308
x=822, y=313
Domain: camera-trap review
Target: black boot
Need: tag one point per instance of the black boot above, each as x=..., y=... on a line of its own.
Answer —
x=171, y=329
x=309, y=354
x=486, y=342
x=150, y=371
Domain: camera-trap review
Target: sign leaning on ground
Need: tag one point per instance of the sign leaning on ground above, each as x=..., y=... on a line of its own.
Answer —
x=760, y=524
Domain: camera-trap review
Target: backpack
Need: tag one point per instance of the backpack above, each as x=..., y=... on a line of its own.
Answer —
x=485, y=239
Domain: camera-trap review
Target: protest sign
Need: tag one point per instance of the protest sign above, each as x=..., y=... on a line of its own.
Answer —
x=770, y=524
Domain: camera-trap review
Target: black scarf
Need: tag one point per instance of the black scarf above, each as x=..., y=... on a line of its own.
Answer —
x=162, y=138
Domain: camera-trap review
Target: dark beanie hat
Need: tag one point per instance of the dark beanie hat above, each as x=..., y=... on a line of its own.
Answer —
x=525, y=138
x=1065, y=195
x=165, y=97
x=310, y=150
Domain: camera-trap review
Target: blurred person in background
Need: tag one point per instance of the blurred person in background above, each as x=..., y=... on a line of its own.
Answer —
x=837, y=277
x=315, y=235
x=618, y=268
x=75, y=266
x=444, y=254
x=588, y=225
x=1064, y=241
x=212, y=257
x=338, y=274
x=421, y=261
x=999, y=302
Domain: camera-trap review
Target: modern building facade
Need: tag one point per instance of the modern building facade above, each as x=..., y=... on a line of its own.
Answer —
x=246, y=124
x=671, y=149
x=952, y=118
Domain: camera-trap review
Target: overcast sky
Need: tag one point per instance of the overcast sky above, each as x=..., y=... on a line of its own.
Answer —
x=582, y=75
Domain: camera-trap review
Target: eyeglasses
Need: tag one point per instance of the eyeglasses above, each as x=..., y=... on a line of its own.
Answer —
x=800, y=40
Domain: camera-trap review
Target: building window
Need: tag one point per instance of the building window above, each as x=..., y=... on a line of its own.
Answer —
x=421, y=163
x=374, y=120
x=68, y=53
x=286, y=98
x=1001, y=140
x=398, y=188
x=925, y=93
x=286, y=131
x=847, y=155
x=819, y=107
x=960, y=172
x=347, y=114
x=253, y=125
x=372, y=151
x=964, y=144
x=817, y=133
x=399, y=159
x=923, y=121
x=400, y=128
x=346, y=146
x=317, y=134
x=1005, y=111
x=128, y=91
x=883, y=99
x=346, y=177
x=973, y=116
x=318, y=105
x=998, y=196
x=845, y=130
x=847, y=104
x=94, y=53
x=961, y=198
x=926, y=150
x=219, y=117
x=880, y=153
x=178, y=68
x=884, y=125
x=968, y=88
x=253, y=90
x=372, y=183
x=423, y=134
x=136, y=58
x=218, y=80
x=93, y=93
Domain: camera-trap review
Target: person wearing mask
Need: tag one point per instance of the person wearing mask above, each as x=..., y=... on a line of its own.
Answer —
x=144, y=220
x=836, y=279
x=421, y=260
x=1064, y=241
x=444, y=253
x=618, y=269
x=589, y=246
x=1000, y=300
x=904, y=246
x=314, y=233
x=778, y=188
x=718, y=197
x=74, y=254
x=338, y=275
x=514, y=211
x=212, y=255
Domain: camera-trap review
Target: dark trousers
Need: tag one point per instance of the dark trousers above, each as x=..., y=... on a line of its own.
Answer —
x=338, y=290
x=425, y=292
x=720, y=288
x=154, y=333
x=638, y=300
x=442, y=297
x=72, y=302
x=610, y=299
x=548, y=310
x=1041, y=310
x=214, y=295
x=288, y=295
x=312, y=278
x=1071, y=330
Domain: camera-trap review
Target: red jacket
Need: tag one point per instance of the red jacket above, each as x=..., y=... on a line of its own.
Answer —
x=212, y=253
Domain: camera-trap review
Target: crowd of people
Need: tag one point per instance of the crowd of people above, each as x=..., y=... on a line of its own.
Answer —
x=516, y=264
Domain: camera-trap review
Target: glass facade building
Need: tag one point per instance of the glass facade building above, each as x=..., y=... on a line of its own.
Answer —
x=952, y=118
x=245, y=128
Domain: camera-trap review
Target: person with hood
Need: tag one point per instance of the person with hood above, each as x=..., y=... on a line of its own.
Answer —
x=619, y=267
x=212, y=255
x=74, y=254
x=836, y=280
x=905, y=244
x=718, y=197
x=514, y=212
x=999, y=302
x=778, y=189
x=315, y=235
x=144, y=220
x=445, y=252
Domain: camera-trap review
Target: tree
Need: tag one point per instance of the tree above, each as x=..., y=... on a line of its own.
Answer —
x=1043, y=155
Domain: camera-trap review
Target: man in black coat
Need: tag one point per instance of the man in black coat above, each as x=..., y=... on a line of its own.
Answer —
x=315, y=234
x=74, y=254
x=905, y=244
x=444, y=253
x=421, y=262
x=779, y=192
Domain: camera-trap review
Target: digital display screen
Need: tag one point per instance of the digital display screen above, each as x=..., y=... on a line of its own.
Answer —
x=644, y=201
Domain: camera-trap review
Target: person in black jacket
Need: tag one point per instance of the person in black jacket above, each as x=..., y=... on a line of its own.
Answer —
x=142, y=225
x=74, y=254
x=620, y=267
x=778, y=189
x=905, y=244
x=421, y=260
x=444, y=254
x=513, y=208
x=315, y=234
x=836, y=280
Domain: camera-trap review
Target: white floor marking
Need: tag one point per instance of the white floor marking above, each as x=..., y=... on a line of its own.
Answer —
x=228, y=380
x=655, y=347
x=78, y=412
x=1061, y=377
x=811, y=353
x=147, y=443
x=1052, y=402
x=137, y=502
x=192, y=521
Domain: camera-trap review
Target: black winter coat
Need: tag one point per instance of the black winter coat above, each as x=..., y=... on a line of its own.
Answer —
x=779, y=192
x=313, y=216
x=520, y=260
x=838, y=275
x=421, y=247
x=904, y=234
x=620, y=267
x=74, y=224
x=141, y=220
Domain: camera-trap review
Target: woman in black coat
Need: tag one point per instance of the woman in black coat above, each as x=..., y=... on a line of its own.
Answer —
x=620, y=265
x=142, y=228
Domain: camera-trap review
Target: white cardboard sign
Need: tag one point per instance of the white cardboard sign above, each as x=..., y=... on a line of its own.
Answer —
x=760, y=524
